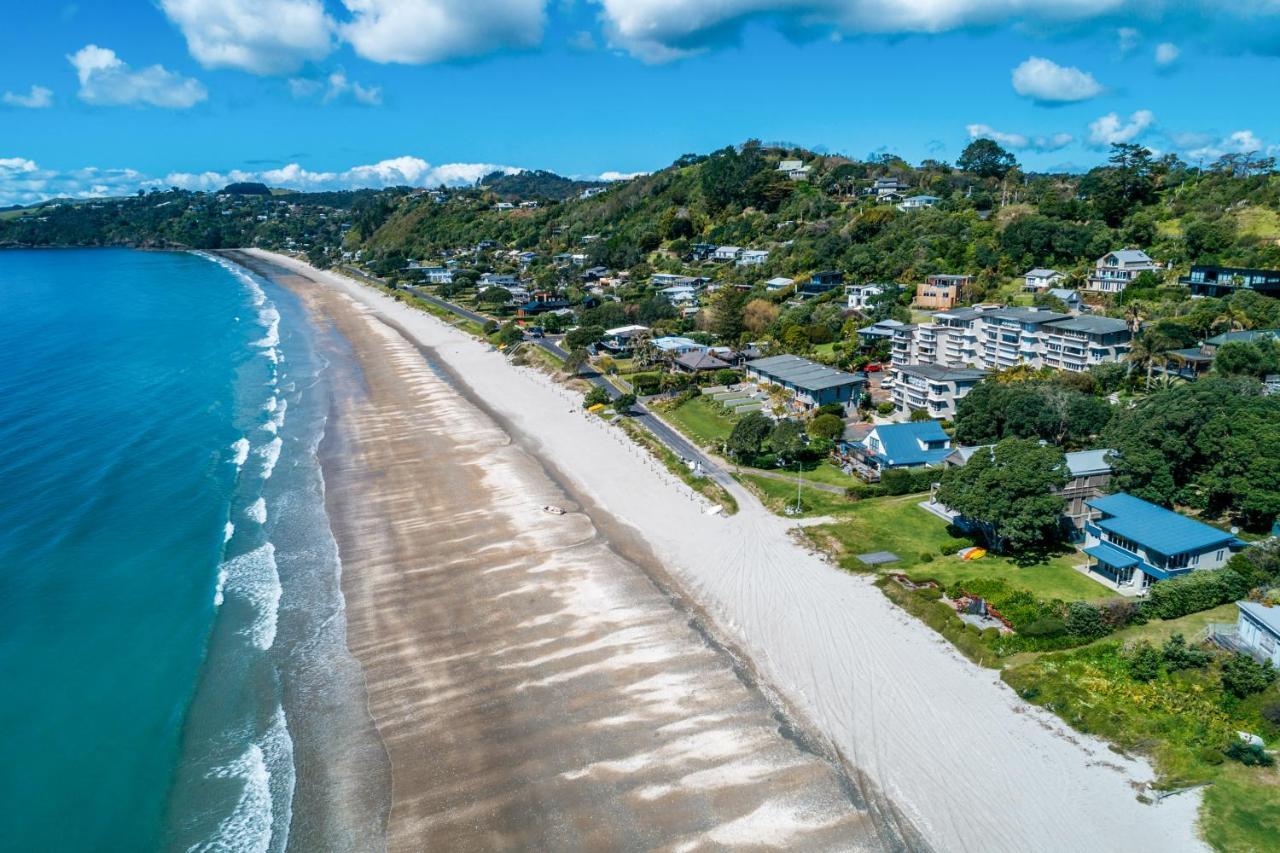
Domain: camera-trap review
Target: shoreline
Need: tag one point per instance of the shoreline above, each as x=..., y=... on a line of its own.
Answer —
x=649, y=760
x=968, y=763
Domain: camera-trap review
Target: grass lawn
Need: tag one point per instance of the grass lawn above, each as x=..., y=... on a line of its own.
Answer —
x=1258, y=222
x=701, y=420
x=778, y=494
x=897, y=524
x=1159, y=630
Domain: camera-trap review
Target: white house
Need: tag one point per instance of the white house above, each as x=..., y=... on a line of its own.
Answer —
x=796, y=170
x=773, y=285
x=676, y=346
x=753, y=257
x=1258, y=630
x=857, y=296
x=1041, y=279
x=918, y=202
x=726, y=253
x=1116, y=270
x=437, y=275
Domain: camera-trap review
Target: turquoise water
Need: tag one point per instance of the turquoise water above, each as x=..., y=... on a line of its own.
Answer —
x=167, y=578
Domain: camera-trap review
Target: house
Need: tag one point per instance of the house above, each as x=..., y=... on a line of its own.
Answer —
x=528, y=205
x=702, y=251
x=620, y=341
x=1258, y=630
x=1193, y=362
x=1068, y=297
x=1114, y=271
x=594, y=273
x=437, y=275
x=858, y=296
x=882, y=188
x=542, y=305
x=773, y=285
x=1041, y=279
x=700, y=361
x=918, y=202
x=680, y=294
x=726, y=253
x=676, y=346
x=668, y=279
x=1090, y=473
x=493, y=279
x=592, y=192
x=877, y=332
x=886, y=446
x=504, y=205
x=1223, y=281
x=931, y=388
x=822, y=282
x=753, y=257
x=811, y=384
x=796, y=170
x=1134, y=544
x=941, y=291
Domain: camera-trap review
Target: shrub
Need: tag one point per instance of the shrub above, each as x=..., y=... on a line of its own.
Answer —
x=932, y=593
x=1046, y=626
x=948, y=549
x=1085, y=620
x=1194, y=592
x=1143, y=662
x=1178, y=655
x=926, y=557
x=726, y=377
x=885, y=408
x=1116, y=613
x=1271, y=712
x=596, y=396
x=1242, y=676
x=646, y=384
x=1249, y=754
x=990, y=635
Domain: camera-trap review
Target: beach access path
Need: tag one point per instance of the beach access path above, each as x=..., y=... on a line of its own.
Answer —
x=967, y=763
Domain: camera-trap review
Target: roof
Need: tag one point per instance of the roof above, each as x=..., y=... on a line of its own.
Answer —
x=1154, y=527
x=625, y=330
x=1082, y=463
x=1026, y=315
x=1091, y=325
x=1066, y=294
x=701, y=360
x=1112, y=556
x=939, y=373
x=670, y=343
x=803, y=373
x=943, y=276
x=1041, y=272
x=1131, y=256
x=781, y=280
x=1245, y=336
x=1268, y=616
x=902, y=443
x=965, y=452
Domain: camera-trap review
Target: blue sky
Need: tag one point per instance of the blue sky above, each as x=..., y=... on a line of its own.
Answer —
x=104, y=97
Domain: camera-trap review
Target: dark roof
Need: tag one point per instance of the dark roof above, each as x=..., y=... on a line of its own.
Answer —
x=1155, y=527
x=938, y=373
x=1091, y=325
x=701, y=360
x=1244, y=336
x=1026, y=315
x=803, y=373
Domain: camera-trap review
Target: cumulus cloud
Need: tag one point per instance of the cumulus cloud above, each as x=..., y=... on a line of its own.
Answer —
x=1127, y=38
x=419, y=31
x=107, y=80
x=335, y=87
x=1167, y=53
x=1021, y=141
x=259, y=36
x=37, y=99
x=620, y=176
x=22, y=181
x=1047, y=82
x=1208, y=147
x=1111, y=129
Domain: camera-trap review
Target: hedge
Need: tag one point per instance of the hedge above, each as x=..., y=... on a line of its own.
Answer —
x=1193, y=593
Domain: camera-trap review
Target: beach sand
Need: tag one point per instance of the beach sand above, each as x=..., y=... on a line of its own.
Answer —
x=536, y=687
x=936, y=744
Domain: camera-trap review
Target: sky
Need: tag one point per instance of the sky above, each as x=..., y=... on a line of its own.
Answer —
x=103, y=97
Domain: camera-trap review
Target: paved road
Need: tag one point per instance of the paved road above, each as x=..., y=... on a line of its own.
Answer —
x=674, y=441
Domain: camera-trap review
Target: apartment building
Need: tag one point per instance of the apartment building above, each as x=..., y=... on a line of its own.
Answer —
x=932, y=388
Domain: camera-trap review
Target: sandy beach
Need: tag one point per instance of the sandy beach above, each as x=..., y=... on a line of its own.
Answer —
x=538, y=685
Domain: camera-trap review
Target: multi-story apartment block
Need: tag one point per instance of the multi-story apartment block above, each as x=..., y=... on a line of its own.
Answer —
x=932, y=388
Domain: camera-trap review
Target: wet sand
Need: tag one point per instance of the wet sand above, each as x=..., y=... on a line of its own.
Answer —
x=537, y=683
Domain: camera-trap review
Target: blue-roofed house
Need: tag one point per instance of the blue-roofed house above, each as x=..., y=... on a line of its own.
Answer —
x=908, y=445
x=1133, y=543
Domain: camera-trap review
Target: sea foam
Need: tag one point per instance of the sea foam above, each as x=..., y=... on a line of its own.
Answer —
x=240, y=452
x=253, y=576
x=270, y=453
x=257, y=511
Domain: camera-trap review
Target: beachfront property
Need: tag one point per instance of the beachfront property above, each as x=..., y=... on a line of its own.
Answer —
x=886, y=446
x=1257, y=631
x=1218, y=281
x=931, y=388
x=673, y=346
x=1134, y=544
x=620, y=340
x=1115, y=270
x=997, y=338
x=811, y=384
x=1090, y=474
x=1041, y=279
x=858, y=296
x=700, y=361
x=542, y=304
x=493, y=279
x=941, y=291
x=437, y=275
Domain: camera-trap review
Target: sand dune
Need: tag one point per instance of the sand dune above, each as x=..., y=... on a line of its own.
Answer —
x=968, y=764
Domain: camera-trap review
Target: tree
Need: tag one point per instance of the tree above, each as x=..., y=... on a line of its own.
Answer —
x=623, y=403
x=725, y=308
x=826, y=426
x=758, y=315
x=596, y=396
x=1242, y=676
x=748, y=436
x=583, y=336
x=1009, y=493
x=1144, y=662
x=986, y=159
x=787, y=439
x=510, y=334
x=493, y=297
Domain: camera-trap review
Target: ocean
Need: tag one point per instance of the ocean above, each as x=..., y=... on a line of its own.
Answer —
x=172, y=634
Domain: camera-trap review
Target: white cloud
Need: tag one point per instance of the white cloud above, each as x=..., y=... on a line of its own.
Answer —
x=106, y=80
x=1047, y=82
x=259, y=36
x=337, y=85
x=1021, y=141
x=620, y=176
x=22, y=181
x=1128, y=38
x=1206, y=147
x=37, y=99
x=1111, y=129
x=420, y=31
x=1167, y=53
